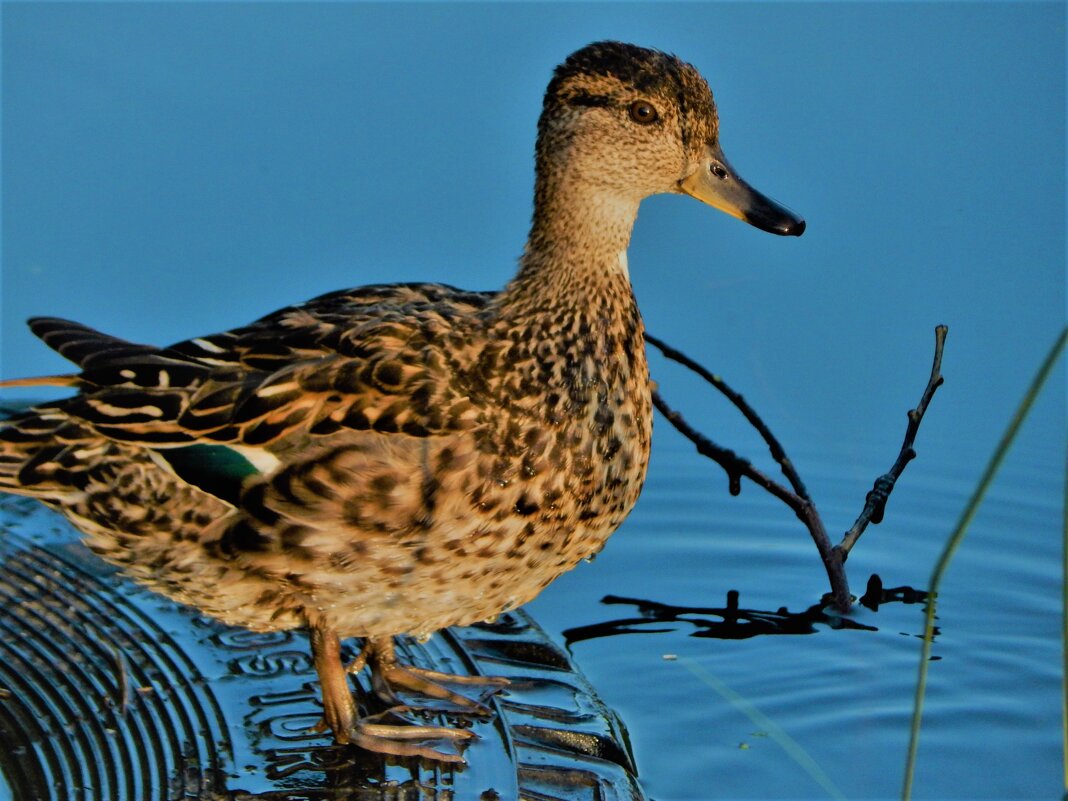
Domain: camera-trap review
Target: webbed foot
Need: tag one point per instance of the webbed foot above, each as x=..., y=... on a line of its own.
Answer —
x=388, y=676
x=391, y=732
x=401, y=739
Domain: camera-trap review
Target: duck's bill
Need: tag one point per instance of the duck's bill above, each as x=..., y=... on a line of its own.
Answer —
x=718, y=185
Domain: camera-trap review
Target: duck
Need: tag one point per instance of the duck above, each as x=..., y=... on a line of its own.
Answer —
x=398, y=458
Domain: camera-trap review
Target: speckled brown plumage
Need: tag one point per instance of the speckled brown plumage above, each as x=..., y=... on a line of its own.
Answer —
x=392, y=459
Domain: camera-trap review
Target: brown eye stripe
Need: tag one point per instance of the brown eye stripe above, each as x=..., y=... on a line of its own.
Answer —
x=590, y=100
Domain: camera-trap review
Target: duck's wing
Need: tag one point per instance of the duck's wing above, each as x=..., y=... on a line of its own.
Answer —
x=382, y=358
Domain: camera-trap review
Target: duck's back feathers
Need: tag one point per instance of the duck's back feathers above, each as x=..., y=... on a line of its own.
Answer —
x=382, y=358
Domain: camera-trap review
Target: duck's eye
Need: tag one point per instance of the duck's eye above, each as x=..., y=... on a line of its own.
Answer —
x=643, y=112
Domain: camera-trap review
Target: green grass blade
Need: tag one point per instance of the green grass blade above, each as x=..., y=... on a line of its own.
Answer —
x=1064, y=629
x=954, y=542
x=788, y=744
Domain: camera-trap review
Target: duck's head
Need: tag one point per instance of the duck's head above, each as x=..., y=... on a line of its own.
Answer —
x=630, y=122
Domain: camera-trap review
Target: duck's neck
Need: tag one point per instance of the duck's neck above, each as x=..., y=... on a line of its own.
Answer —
x=575, y=259
x=568, y=319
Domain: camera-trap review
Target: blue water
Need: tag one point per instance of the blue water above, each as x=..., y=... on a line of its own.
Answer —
x=175, y=169
x=992, y=720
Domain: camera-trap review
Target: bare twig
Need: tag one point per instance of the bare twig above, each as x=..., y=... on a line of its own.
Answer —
x=875, y=502
x=798, y=499
x=804, y=508
x=734, y=465
x=778, y=453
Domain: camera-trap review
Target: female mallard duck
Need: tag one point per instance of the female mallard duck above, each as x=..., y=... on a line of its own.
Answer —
x=396, y=459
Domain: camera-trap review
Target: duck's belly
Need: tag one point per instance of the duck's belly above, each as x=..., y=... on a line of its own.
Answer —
x=498, y=517
x=477, y=566
x=385, y=535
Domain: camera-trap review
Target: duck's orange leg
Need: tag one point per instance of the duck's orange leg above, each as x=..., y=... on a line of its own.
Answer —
x=341, y=717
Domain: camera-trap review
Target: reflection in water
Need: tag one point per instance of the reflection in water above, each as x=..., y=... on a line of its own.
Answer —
x=735, y=623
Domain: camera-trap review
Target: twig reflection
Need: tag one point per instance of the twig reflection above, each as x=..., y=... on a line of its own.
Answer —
x=733, y=622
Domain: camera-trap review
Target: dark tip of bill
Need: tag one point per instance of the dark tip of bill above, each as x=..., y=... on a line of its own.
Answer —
x=769, y=216
x=781, y=225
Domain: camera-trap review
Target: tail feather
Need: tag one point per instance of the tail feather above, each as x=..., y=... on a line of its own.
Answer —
x=83, y=345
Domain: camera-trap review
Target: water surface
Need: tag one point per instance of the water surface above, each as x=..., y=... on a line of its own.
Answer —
x=843, y=695
x=213, y=162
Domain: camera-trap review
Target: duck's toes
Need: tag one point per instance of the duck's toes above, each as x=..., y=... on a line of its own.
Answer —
x=408, y=739
x=390, y=678
x=498, y=682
